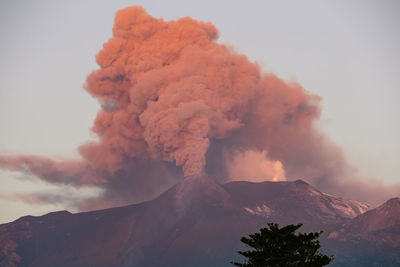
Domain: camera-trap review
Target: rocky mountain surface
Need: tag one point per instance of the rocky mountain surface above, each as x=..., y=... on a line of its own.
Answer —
x=197, y=222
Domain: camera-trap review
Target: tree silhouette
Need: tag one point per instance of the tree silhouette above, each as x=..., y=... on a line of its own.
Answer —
x=274, y=246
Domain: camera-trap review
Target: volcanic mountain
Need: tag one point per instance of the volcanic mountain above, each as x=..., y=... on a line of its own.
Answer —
x=197, y=222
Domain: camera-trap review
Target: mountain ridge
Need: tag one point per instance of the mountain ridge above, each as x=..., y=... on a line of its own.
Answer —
x=197, y=222
x=369, y=239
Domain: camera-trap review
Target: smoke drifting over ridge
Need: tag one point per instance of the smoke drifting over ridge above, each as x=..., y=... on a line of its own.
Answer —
x=176, y=103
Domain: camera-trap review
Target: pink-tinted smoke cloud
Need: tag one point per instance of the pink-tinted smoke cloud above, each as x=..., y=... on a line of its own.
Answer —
x=177, y=103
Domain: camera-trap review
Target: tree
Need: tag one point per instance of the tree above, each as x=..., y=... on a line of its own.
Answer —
x=274, y=246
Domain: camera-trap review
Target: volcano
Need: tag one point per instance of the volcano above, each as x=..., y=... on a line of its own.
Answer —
x=197, y=222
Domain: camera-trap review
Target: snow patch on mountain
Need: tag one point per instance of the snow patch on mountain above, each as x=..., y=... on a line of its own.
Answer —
x=260, y=210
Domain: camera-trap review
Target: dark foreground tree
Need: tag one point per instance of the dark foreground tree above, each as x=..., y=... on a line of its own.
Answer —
x=274, y=246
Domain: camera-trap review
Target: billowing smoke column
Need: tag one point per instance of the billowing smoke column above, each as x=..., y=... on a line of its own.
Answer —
x=171, y=89
x=172, y=96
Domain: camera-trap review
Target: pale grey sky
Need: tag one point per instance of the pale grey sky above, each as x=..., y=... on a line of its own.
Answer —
x=345, y=51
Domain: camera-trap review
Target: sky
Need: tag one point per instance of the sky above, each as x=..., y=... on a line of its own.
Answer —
x=345, y=51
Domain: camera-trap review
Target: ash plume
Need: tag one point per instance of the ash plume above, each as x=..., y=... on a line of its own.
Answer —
x=177, y=103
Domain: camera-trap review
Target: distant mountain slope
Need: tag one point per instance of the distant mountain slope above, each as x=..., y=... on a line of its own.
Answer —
x=370, y=238
x=289, y=202
x=377, y=225
x=195, y=223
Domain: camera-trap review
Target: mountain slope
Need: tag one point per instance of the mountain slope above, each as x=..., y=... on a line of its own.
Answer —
x=195, y=223
x=370, y=238
x=187, y=218
x=289, y=202
x=374, y=225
